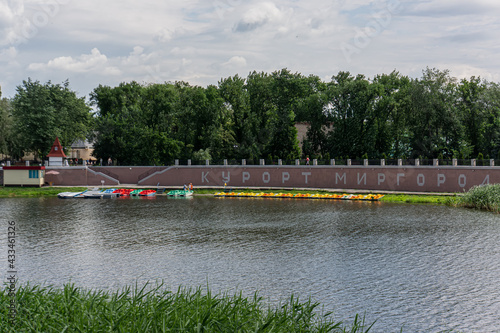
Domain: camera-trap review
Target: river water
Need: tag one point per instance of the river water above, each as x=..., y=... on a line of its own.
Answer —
x=422, y=268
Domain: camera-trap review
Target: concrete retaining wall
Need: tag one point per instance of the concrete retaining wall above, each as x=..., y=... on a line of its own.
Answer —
x=375, y=178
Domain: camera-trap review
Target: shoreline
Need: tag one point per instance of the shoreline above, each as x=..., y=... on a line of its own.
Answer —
x=389, y=196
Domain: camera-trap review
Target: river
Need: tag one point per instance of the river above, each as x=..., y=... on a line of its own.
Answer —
x=423, y=268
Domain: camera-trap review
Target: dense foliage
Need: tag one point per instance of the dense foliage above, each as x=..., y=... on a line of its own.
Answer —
x=484, y=197
x=389, y=116
x=70, y=309
x=6, y=137
x=158, y=123
x=38, y=114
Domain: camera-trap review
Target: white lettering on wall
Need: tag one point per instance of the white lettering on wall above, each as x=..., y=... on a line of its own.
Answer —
x=266, y=177
x=224, y=178
x=245, y=176
x=441, y=179
x=486, y=180
x=204, y=177
x=362, y=179
x=462, y=181
x=306, y=174
x=420, y=180
x=381, y=178
x=285, y=176
x=399, y=175
x=339, y=178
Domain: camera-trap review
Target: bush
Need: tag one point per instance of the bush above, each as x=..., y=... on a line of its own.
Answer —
x=485, y=197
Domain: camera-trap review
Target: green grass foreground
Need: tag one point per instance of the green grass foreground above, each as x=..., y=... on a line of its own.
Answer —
x=71, y=309
x=484, y=197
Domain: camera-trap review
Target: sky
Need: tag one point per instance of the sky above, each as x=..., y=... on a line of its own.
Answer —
x=92, y=43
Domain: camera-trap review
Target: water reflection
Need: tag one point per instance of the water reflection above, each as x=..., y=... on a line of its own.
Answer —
x=426, y=268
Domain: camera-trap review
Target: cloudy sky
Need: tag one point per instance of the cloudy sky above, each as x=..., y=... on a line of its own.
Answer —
x=92, y=42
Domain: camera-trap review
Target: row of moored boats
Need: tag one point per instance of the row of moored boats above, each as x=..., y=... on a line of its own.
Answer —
x=96, y=193
x=367, y=197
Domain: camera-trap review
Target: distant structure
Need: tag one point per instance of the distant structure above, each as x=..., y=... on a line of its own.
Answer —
x=81, y=150
x=56, y=155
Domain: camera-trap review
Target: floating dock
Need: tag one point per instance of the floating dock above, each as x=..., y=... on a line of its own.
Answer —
x=367, y=197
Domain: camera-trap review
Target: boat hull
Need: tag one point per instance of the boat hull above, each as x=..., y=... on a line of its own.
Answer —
x=180, y=193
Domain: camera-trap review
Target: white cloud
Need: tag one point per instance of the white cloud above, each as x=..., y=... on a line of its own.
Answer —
x=451, y=8
x=165, y=35
x=8, y=55
x=204, y=41
x=84, y=63
x=13, y=24
x=259, y=15
x=236, y=61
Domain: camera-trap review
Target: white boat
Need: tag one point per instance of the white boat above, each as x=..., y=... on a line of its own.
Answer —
x=180, y=193
x=109, y=193
x=69, y=195
x=95, y=193
x=92, y=194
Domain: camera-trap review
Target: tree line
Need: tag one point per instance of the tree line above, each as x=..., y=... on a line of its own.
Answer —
x=388, y=116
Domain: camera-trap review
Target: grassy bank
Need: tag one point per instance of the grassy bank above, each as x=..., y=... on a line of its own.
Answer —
x=400, y=198
x=484, y=197
x=25, y=192
x=72, y=309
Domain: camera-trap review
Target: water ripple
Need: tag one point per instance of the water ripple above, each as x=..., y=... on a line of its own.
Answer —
x=424, y=268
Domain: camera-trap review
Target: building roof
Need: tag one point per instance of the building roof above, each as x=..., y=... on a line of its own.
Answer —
x=81, y=144
x=18, y=167
x=56, y=150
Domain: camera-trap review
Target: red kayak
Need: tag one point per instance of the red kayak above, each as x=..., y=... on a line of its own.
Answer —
x=147, y=193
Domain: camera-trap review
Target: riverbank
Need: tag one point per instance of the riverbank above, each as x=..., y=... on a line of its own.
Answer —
x=155, y=309
x=486, y=197
x=417, y=198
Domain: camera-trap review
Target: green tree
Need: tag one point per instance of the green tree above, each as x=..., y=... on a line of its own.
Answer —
x=490, y=140
x=434, y=122
x=472, y=111
x=43, y=112
x=312, y=109
x=287, y=89
x=5, y=124
x=351, y=110
x=392, y=136
x=262, y=111
x=137, y=125
x=119, y=132
x=160, y=108
x=243, y=122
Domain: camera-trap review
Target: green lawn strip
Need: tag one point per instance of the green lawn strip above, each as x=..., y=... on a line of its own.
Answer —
x=420, y=199
x=156, y=309
x=21, y=192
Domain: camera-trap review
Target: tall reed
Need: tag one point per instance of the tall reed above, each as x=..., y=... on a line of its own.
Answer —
x=485, y=197
x=155, y=309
